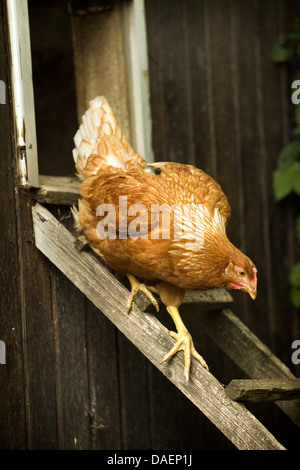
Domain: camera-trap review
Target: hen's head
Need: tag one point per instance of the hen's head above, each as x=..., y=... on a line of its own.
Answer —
x=242, y=274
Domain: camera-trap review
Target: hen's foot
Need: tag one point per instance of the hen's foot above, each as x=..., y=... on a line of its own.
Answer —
x=184, y=342
x=138, y=286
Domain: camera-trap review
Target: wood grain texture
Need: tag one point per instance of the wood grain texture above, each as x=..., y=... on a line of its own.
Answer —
x=220, y=103
x=63, y=190
x=38, y=340
x=217, y=102
x=214, y=299
x=250, y=353
x=263, y=389
x=89, y=399
x=12, y=396
x=28, y=409
x=146, y=333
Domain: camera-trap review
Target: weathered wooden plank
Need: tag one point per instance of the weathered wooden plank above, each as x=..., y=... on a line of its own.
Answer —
x=12, y=395
x=27, y=398
x=82, y=243
x=71, y=365
x=37, y=335
x=148, y=335
x=181, y=89
x=62, y=190
x=222, y=326
x=227, y=69
x=214, y=299
x=263, y=389
x=104, y=387
x=133, y=383
x=248, y=352
x=87, y=368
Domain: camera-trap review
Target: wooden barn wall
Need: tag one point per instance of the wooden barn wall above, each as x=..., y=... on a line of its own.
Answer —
x=218, y=102
x=72, y=381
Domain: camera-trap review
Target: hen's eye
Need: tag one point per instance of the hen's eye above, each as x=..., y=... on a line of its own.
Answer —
x=241, y=273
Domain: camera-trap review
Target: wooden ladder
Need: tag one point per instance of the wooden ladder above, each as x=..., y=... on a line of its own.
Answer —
x=271, y=379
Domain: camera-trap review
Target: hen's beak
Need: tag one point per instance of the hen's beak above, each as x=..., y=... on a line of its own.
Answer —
x=252, y=291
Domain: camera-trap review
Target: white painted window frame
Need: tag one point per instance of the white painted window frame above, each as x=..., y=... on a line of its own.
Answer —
x=139, y=85
x=22, y=93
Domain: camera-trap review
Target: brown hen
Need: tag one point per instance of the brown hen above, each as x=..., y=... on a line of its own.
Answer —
x=164, y=223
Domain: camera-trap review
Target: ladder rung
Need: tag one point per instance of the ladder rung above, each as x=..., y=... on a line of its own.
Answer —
x=256, y=390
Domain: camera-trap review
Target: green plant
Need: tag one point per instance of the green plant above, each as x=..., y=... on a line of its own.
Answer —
x=286, y=177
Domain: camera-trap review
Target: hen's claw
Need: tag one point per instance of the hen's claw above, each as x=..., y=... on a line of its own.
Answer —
x=184, y=342
x=135, y=287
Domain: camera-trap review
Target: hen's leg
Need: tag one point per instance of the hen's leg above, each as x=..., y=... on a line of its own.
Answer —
x=135, y=287
x=183, y=342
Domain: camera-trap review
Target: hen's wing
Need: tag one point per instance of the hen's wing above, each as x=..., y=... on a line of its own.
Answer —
x=194, y=186
x=130, y=193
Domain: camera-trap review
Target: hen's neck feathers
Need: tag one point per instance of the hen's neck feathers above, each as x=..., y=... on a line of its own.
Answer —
x=205, y=259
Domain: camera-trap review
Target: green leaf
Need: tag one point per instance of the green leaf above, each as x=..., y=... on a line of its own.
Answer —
x=298, y=226
x=281, y=186
x=296, y=182
x=283, y=180
x=289, y=153
x=295, y=276
x=295, y=296
x=279, y=52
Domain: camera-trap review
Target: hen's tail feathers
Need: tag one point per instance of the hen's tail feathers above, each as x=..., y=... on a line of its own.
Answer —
x=100, y=141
